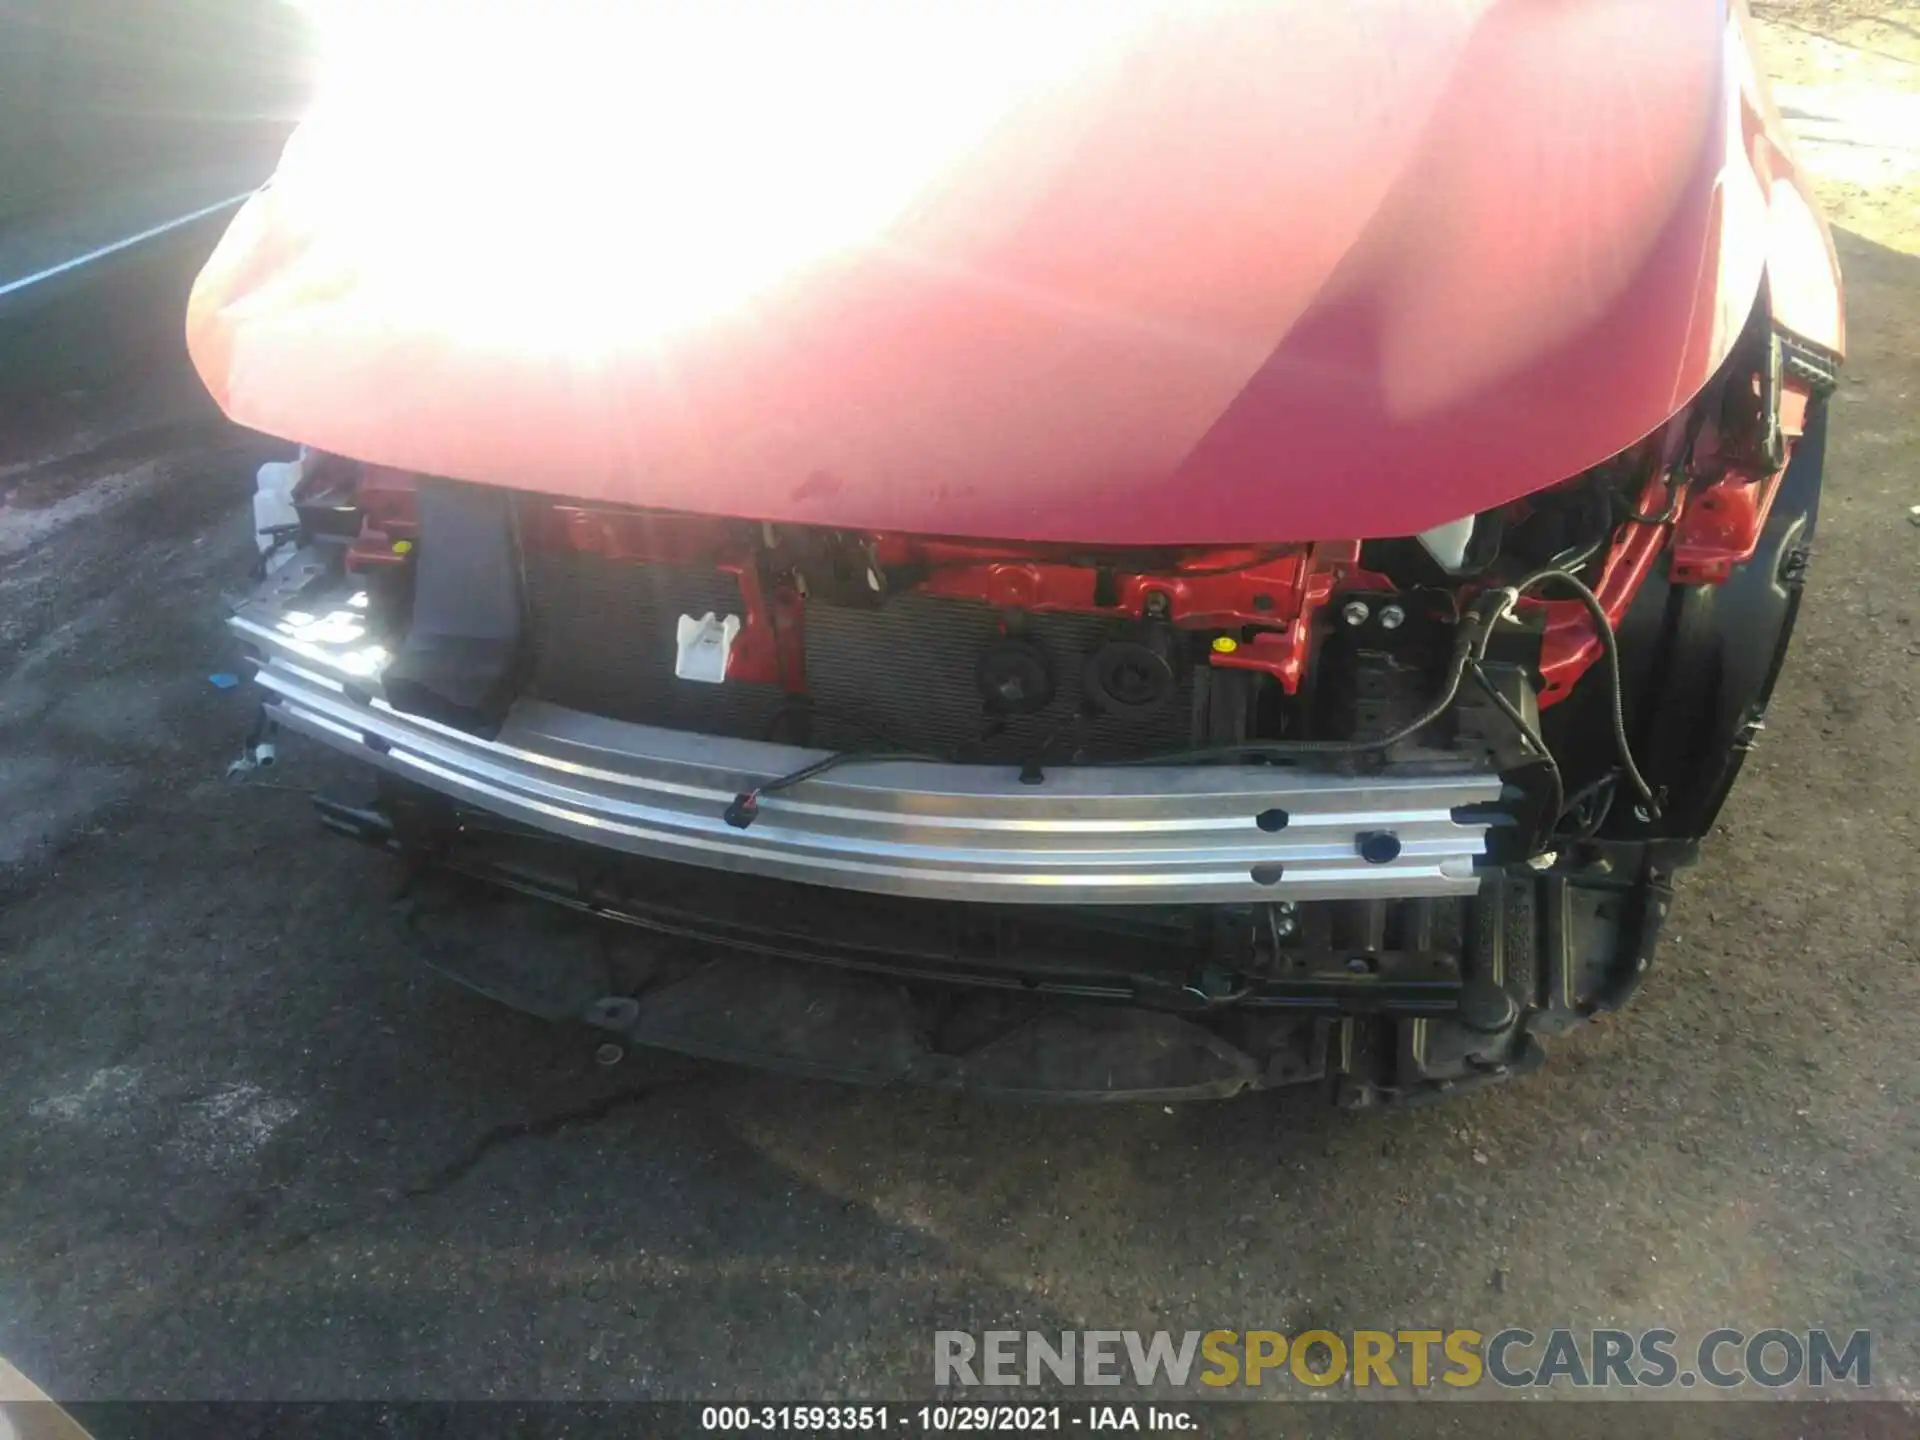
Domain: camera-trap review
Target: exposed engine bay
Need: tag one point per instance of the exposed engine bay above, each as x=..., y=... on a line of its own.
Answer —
x=1274, y=526
x=1380, y=812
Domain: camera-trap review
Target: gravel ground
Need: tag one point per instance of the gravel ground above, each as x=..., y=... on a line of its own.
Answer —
x=250, y=1147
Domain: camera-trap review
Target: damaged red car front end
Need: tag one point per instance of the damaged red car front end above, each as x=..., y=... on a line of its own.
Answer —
x=1254, y=576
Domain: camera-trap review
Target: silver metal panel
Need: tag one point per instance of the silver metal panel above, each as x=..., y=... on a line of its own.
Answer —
x=1092, y=834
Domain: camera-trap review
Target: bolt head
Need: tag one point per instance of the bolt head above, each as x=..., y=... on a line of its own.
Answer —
x=1355, y=612
x=609, y=1055
x=1392, y=617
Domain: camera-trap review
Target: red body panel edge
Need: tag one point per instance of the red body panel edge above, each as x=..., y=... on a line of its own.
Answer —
x=1280, y=272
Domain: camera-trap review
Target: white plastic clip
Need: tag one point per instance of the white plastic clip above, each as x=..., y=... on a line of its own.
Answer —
x=275, y=520
x=704, y=647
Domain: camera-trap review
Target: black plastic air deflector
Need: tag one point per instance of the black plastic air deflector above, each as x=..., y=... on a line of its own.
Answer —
x=461, y=662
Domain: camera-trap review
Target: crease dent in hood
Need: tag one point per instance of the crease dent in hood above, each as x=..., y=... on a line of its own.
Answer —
x=1134, y=272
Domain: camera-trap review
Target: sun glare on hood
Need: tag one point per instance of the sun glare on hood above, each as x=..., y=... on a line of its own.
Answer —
x=653, y=165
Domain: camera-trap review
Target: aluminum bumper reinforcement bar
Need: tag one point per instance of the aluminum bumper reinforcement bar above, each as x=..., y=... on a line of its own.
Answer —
x=1086, y=835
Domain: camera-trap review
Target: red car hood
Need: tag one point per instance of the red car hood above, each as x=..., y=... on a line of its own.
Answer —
x=1172, y=271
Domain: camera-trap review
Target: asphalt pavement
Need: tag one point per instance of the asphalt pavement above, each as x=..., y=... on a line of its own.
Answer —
x=250, y=1147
